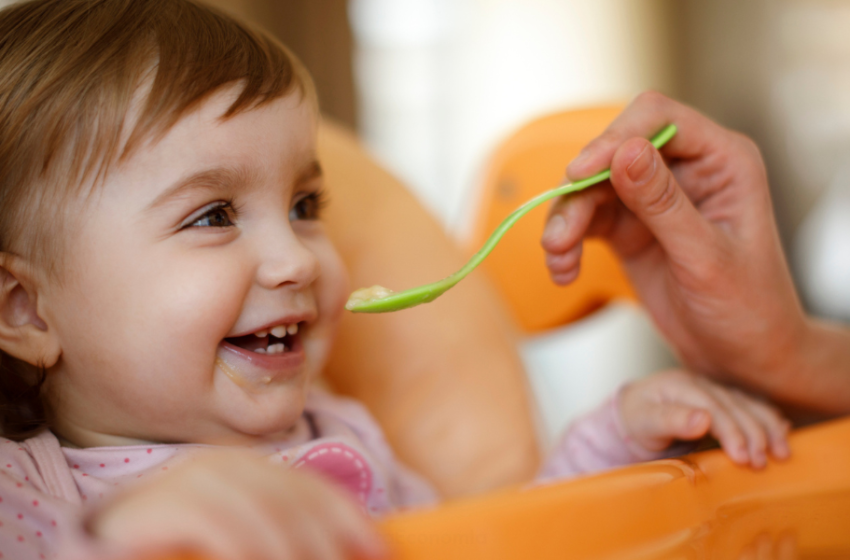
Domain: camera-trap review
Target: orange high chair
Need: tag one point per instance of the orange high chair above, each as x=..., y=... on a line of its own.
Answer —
x=530, y=161
x=697, y=507
x=700, y=506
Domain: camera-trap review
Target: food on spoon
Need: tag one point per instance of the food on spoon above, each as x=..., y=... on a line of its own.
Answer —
x=365, y=295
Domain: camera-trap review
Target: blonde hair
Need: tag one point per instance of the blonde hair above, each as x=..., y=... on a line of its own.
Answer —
x=69, y=72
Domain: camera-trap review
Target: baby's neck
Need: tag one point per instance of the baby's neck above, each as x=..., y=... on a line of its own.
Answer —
x=80, y=439
x=77, y=437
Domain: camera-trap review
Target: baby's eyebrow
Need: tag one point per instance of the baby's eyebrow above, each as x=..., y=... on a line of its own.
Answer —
x=312, y=171
x=220, y=178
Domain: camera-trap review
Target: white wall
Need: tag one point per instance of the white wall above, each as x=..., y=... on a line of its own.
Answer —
x=441, y=81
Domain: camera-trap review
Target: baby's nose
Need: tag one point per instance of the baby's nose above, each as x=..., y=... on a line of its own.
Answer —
x=287, y=260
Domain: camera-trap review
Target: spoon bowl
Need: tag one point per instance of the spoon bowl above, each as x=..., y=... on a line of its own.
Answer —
x=381, y=300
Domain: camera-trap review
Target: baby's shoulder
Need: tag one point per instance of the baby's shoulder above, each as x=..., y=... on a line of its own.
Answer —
x=15, y=456
x=34, y=462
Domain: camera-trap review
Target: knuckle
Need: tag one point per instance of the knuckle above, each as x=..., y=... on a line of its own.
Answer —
x=679, y=376
x=670, y=415
x=756, y=432
x=674, y=417
x=664, y=198
x=712, y=267
x=749, y=154
x=650, y=99
x=735, y=436
x=747, y=144
x=605, y=142
x=774, y=418
x=738, y=395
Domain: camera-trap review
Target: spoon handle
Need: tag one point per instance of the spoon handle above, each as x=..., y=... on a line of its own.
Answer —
x=429, y=292
x=658, y=140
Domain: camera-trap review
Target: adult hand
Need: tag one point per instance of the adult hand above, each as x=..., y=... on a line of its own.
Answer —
x=695, y=230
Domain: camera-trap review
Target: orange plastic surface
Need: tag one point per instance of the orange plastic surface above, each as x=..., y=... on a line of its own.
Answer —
x=531, y=161
x=697, y=507
x=701, y=506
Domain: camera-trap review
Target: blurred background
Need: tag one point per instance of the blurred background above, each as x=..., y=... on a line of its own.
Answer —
x=432, y=86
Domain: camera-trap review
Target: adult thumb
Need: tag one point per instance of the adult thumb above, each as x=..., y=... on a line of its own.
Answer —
x=648, y=188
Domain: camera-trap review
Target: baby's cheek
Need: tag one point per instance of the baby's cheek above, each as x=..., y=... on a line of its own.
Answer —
x=333, y=286
x=331, y=291
x=201, y=304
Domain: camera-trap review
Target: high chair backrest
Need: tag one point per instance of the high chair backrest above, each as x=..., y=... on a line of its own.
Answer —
x=530, y=161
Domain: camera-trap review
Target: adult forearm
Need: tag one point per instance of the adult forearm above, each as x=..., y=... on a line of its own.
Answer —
x=817, y=377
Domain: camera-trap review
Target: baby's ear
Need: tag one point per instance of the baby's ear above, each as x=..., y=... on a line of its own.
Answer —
x=23, y=333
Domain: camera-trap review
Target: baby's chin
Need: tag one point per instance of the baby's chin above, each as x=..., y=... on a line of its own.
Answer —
x=250, y=417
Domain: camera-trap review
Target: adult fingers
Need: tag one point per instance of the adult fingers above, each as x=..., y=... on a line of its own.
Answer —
x=647, y=187
x=571, y=216
x=648, y=113
x=596, y=212
x=564, y=268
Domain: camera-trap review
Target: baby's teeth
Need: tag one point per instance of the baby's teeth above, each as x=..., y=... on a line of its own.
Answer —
x=261, y=334
x=278, y=348
x=279, y=331
x=261, y=350
x=292, y=329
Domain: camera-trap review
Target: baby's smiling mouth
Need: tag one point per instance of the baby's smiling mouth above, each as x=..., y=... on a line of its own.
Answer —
x=274, y=341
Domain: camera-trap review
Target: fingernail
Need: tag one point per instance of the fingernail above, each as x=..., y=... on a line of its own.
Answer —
x=555, y=229
x=642, y=168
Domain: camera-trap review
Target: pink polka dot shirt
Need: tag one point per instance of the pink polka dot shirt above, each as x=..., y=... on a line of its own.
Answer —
x=46, y=490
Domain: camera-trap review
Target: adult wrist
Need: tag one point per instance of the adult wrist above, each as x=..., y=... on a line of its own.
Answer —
x=815, y=372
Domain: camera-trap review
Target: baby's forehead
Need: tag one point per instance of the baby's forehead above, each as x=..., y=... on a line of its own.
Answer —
x=273, y=141
x=81, y=97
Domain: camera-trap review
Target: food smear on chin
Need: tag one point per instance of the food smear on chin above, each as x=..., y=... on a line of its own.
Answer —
x=365, y=295
x=233, y=374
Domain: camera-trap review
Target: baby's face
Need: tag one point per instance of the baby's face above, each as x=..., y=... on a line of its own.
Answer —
x=202, y=292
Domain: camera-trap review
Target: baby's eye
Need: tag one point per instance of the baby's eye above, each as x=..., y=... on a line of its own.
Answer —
x=219, y=216
x=308, y=208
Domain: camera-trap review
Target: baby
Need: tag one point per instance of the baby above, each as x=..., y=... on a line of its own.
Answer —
x=169, y=293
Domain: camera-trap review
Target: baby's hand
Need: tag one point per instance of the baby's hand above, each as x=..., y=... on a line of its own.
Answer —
x=232, y=506
x=676, y=405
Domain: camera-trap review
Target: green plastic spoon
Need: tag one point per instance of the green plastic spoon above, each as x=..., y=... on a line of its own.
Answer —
x=381, y=300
